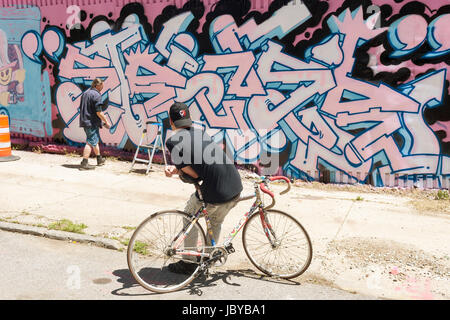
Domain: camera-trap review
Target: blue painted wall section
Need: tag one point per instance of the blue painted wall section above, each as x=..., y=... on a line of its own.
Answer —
x=24, y=88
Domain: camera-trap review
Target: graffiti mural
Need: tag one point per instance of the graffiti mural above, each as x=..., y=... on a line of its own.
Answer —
x=356, y=91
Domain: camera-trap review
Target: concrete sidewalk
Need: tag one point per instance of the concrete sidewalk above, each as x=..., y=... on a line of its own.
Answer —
x=378, y=246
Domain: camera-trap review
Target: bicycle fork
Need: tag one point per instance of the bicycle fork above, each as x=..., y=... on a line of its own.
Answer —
x=268, y=231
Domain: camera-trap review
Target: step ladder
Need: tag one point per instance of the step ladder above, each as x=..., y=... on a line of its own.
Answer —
x=157, y=145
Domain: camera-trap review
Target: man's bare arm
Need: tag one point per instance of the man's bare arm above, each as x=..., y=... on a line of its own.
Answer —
x=103, y=118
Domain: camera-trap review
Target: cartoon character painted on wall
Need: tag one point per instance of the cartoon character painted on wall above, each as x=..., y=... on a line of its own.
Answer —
x=12, y=73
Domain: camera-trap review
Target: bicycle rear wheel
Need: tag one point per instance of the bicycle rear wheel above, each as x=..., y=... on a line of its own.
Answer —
x=291, y=252
x=150, y=251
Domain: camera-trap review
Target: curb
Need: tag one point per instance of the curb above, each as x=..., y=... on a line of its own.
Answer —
x=60, y=235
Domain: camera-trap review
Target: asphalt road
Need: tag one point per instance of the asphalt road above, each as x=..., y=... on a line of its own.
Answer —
x=378, y=246
x=37, y=268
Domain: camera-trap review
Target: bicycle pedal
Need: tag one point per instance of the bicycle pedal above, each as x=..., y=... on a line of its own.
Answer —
x=204, y=266
x=230, y=248
x=204, y=272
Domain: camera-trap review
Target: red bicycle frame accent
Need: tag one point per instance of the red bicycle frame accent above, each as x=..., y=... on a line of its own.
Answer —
x=257, y=204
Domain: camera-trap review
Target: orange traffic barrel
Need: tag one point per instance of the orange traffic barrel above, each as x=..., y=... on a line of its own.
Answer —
x=5, y=140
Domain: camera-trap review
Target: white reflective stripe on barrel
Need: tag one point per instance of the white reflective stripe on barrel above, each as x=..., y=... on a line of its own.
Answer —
x=5, y=145
x=4, y=130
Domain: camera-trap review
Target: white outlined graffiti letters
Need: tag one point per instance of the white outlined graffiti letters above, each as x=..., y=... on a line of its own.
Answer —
x=252, y=94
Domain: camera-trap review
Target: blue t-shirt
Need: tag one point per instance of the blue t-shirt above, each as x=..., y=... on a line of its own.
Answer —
x=91, y=103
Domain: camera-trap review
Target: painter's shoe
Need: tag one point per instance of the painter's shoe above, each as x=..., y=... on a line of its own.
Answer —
x=100, y=161
x=85, y=165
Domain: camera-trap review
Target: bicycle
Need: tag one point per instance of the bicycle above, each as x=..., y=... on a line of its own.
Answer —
x=269, y=242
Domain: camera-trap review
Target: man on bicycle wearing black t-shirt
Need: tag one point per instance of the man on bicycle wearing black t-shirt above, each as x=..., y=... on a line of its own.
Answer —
x=196, y=155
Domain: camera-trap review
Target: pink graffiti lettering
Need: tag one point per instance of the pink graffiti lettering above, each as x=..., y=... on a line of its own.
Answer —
x=96, y=67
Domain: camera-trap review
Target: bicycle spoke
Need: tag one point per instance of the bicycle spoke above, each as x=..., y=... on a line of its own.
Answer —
x=150, y=255
x=290, y=254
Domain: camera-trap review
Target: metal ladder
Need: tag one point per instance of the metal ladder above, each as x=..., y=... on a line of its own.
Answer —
x=157, y=145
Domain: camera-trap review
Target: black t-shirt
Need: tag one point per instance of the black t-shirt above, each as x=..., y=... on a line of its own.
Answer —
x=193, y=147
x=91, y=103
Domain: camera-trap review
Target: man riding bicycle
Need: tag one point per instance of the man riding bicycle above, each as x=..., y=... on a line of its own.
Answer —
x=196, y=157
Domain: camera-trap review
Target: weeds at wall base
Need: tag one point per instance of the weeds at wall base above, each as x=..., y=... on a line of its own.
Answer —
x=74, y=151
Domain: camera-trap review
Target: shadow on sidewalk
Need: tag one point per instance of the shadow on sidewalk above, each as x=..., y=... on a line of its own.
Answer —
x=141, y=171
x=72, y=166
x=78, y=166
x=202, y=281
x=127, y=280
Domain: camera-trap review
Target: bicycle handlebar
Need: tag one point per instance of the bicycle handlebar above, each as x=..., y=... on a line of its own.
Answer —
x=286, y=179
x=263, y=188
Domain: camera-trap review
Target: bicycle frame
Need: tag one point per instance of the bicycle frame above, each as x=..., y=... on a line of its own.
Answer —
x=161, y=233
x=257, y=204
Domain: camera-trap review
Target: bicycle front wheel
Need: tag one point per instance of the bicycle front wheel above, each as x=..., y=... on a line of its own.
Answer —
x=283, y=250
x=151, y=251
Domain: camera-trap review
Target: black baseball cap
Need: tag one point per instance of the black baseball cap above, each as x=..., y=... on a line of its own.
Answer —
x=180, y=116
